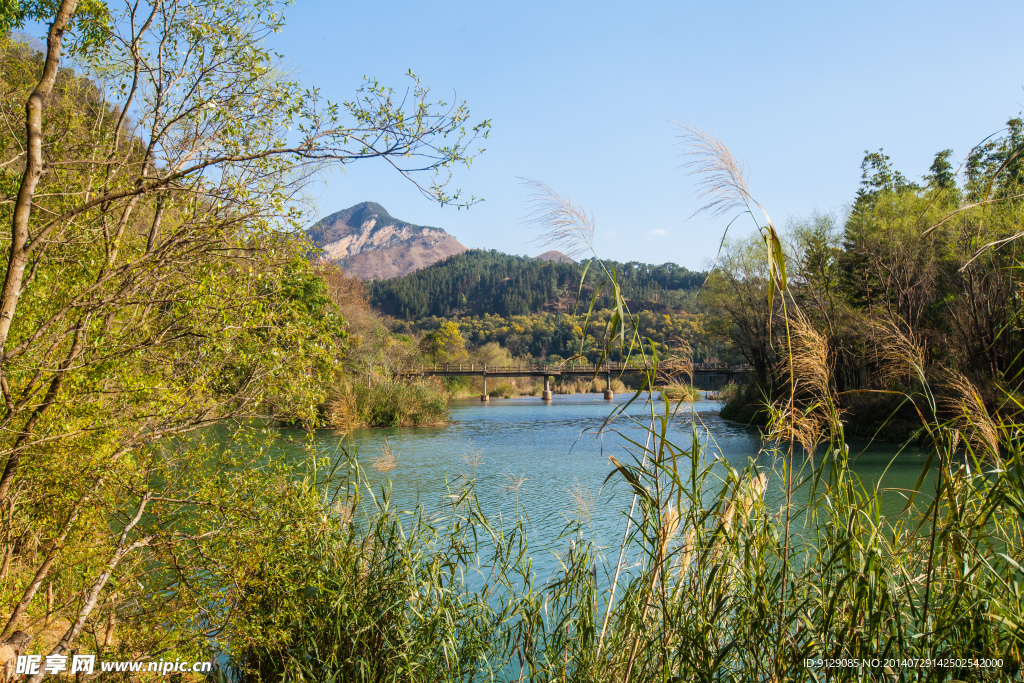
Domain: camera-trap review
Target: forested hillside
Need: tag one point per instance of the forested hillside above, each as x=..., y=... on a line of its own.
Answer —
x=481, y=282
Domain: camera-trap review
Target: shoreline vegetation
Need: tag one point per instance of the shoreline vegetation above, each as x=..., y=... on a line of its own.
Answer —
x=425, y=403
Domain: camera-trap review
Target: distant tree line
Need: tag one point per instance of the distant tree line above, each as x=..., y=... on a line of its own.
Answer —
x=554, y=337
x=481, y=282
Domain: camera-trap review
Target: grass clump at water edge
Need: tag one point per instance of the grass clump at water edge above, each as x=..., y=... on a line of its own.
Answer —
x=386, y=404
x=681, y=392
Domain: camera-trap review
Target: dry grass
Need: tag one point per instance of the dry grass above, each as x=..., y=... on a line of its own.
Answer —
x=902, y=354
x=809, y=364
x=805, y=426
x=675, y=373
x=473, y=457
x=812, y=406
x=584, y=498
x=388, y=458
x=676, y=370
x=342, y=409
x=685, y=393
x=971, y=416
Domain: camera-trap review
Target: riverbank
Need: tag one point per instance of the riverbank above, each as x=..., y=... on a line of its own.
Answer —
x=424, y=402
x=877, y=417
x=518, y=387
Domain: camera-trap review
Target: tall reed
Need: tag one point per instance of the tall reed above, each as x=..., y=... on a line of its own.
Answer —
x=714, y=592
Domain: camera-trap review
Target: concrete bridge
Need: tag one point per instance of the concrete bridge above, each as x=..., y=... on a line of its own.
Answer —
x=711, y=375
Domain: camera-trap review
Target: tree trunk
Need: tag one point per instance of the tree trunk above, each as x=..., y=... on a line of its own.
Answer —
x=33, y=169
x=92, y=594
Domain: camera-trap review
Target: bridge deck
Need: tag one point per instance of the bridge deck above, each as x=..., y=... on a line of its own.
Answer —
x=703, y=369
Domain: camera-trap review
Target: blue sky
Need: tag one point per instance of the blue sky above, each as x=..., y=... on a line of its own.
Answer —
x=581, y=96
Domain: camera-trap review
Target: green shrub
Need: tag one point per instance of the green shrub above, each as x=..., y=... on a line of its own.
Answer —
x=745, y=405
x=363, y=601
x=504, y=389
x=458, y=386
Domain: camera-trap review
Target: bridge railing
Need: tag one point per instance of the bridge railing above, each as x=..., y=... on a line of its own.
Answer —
x=610, y=367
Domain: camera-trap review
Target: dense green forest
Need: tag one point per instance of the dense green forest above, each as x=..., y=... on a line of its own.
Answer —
x=481, y=282
x=937, y=262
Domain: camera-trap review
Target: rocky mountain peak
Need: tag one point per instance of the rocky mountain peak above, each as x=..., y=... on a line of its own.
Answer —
x=369, y=243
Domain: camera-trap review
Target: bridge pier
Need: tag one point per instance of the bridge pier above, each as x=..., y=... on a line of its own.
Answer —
x=546, y=396
x=608, y=395
x=484, y=397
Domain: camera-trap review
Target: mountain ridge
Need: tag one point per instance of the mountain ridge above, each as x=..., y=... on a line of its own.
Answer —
x=479, y=282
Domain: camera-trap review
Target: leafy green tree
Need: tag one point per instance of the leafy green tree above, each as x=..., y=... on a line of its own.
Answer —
x=878, y=177
x=155, y=287
x=738, y=297
x=994, y=168
x=445, y=344
x=941, y=175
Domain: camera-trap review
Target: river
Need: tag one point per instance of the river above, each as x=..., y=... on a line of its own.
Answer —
x=547, y=458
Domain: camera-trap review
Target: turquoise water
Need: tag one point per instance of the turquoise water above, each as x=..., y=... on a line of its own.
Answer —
x=547, y=458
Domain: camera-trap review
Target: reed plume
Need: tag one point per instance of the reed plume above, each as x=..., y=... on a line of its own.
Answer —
x=812, y=407
x=514, y=482
x=584, y=500
x=667, y=530
x=722, y=185
x=971, y=417
x=902, y=353
x=562, y=222
x=388, y=458
x=742, y=503
x=687, y=550
x=472, y=456
x=809, y=362
x=722, y=180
